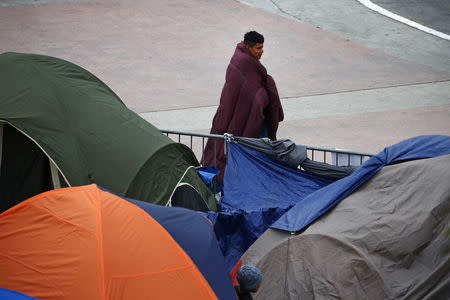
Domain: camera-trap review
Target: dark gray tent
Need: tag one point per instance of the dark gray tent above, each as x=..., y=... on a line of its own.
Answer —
x=387, y=240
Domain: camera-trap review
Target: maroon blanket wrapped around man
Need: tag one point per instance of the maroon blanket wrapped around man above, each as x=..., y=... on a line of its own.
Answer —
x=249, y=97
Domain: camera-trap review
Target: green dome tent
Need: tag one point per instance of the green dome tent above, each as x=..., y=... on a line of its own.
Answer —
x=61, y=124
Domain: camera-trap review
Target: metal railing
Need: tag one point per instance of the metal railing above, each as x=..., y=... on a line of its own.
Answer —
x=338, y=157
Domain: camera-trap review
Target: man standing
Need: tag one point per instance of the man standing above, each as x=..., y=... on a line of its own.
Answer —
x=249, y=103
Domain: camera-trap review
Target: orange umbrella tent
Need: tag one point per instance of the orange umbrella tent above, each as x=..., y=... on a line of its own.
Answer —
x=87, y=243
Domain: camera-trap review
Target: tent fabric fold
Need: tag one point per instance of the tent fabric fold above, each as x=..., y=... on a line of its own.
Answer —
x=326, y=170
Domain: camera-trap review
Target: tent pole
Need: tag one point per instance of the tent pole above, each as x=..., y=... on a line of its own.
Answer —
x=55, y=175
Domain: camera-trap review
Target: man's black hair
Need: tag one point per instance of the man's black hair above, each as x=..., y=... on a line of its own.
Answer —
x=252, y=38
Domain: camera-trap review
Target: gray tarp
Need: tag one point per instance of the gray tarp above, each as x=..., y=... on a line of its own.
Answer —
x=387, y=240
x=292, y=155
x=284, y=150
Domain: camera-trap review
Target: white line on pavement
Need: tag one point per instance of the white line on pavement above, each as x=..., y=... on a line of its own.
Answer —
x=391, y=15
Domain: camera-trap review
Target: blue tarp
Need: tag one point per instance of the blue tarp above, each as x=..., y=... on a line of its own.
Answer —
x=207, y=174
x=316, y=204
x=257, y=191
x=255, y=181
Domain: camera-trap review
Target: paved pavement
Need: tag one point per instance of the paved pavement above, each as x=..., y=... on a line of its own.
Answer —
x=348, y=77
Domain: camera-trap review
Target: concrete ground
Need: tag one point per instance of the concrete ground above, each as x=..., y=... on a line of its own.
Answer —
x=349, y=77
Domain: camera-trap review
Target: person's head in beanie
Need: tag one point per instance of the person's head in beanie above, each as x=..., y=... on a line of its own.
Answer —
x=249, y=278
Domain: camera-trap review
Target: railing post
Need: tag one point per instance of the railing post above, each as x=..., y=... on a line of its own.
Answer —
x=215, y=152
x=203, y=151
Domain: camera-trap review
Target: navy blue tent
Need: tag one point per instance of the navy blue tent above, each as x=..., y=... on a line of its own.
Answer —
x=6, y=294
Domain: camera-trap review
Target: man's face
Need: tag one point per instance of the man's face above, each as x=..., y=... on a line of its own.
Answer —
x=256, y=50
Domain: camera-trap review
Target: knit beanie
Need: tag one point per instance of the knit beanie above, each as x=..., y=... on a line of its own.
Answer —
x=249, y=277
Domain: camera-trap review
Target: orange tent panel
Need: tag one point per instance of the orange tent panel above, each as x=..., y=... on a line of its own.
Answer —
x=85, y=243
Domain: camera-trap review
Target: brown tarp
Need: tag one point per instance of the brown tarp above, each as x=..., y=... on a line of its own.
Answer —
x=387, y=240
